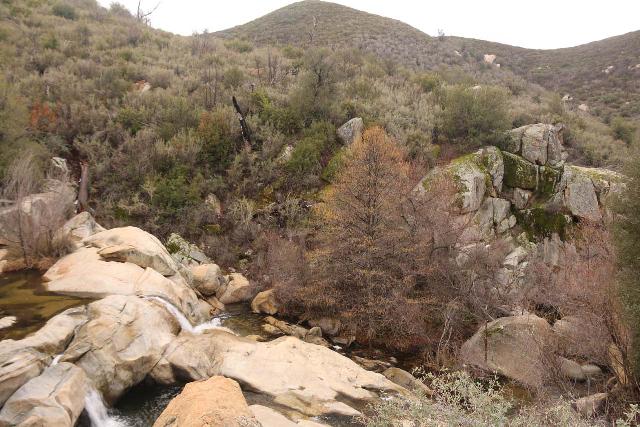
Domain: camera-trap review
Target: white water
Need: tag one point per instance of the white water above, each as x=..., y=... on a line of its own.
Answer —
x=97, y=411
x=214, y=323
x=56, y=359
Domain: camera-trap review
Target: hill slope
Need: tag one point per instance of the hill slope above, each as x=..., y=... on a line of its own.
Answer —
x=583, y=71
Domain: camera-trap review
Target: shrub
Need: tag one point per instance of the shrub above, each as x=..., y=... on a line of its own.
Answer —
x=474, y=116
x=307, y=156
x=65, y=11
x=219, y=138
x=623, y=130
x=458, y=400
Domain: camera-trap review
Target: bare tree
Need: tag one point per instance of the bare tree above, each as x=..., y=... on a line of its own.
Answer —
x=142, y=15
x=27, y=227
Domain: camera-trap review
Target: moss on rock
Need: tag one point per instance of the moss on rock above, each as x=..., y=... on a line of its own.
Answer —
x=539, y=223
x=520, y=173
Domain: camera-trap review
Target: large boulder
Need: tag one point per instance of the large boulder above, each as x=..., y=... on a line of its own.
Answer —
x=121, y=343
x=189, y=357
x=238, y=289
x=311, y=379
x=265, y=302
x=216, y=402
x=54, y=399
x=515, y=347
x=534, y=143
x=133, y=245
x=208, y=279
x=84, y=273
x=79, y=228
x=580, y=194
x=351, y=130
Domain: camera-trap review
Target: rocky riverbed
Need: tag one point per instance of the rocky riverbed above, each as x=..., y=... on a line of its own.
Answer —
x=155, y=324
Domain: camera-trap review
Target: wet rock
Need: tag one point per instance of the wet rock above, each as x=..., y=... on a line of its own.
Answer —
x=265, y=302
x=215, y=402
x=53, y=399
x=371, y=364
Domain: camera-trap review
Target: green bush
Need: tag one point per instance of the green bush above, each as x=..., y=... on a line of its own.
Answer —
x=64, y=11
x=623, y=130
x=219, y=138
x=429, y=82
x=474, y=116
x=306, y=158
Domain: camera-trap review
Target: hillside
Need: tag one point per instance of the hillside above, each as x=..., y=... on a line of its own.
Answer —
x=578, y=71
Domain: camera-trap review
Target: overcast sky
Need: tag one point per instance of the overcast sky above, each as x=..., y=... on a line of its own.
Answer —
x=542, y=24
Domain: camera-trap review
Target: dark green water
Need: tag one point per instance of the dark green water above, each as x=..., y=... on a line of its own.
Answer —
x=22, y=295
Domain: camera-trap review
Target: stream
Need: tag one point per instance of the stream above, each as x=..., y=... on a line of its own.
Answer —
x=23, y=296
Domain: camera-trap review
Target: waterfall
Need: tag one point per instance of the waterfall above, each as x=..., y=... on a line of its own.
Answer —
x=97, y=411
x=214, y=323
x=56, y=359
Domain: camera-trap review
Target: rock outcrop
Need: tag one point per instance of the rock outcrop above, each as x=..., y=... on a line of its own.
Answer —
x=311, y=379
x=79, y=228
x=208, y=279
x=215, y=402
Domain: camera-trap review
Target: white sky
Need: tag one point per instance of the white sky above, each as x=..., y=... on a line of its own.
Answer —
x=542, y=24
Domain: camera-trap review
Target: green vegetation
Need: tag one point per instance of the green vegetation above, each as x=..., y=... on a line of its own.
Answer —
x=474, y=115
x=627, y=237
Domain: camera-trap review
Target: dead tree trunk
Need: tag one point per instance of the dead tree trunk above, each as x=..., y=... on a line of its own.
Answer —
x=83, y=193
x=246, y=135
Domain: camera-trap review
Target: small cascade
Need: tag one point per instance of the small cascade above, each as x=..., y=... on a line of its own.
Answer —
x=56, y=359
x=97, y=411
x=214, y=323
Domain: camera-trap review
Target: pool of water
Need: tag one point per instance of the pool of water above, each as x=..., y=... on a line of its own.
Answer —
x=241, y=320
x=23, y=295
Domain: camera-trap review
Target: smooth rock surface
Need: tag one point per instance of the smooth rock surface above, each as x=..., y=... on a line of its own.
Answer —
x=216, y=402
x=121, y=343
x=516, y=348
x=53, y=399
x=137, y=247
